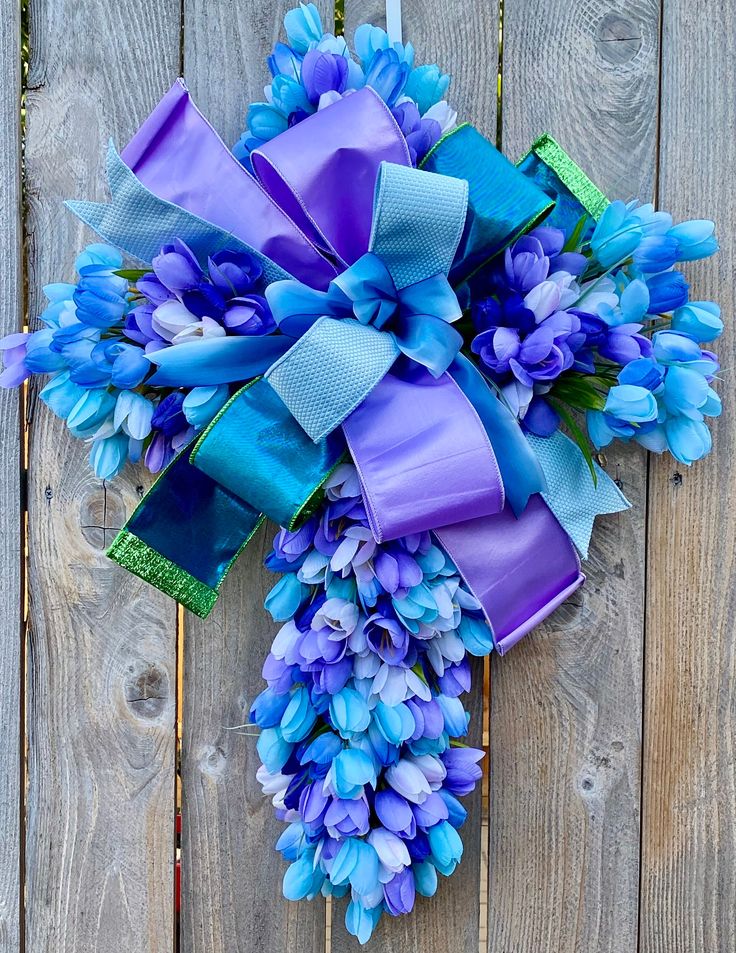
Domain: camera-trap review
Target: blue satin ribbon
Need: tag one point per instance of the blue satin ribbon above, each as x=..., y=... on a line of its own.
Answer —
x=521, y=472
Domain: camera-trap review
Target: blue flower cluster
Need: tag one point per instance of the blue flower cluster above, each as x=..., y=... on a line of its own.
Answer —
x=99, y=332
x=316, y=68
x=604, y=326
x=361, y=717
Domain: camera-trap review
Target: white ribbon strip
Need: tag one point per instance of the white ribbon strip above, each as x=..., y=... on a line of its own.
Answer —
x=393, y=21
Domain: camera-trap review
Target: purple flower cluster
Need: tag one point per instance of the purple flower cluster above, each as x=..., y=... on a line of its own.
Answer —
x=98, y=335
x=361, y=717
x=540, y=320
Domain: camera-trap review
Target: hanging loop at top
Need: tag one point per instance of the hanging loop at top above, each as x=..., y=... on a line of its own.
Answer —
x=393, y=20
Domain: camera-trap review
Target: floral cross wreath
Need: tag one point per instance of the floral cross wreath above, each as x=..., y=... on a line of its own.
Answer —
x=369, y=326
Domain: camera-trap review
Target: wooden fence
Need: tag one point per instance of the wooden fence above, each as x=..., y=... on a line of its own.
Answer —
x=608, y=822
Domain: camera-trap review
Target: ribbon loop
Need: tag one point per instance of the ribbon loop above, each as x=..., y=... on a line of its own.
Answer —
x=418, y=220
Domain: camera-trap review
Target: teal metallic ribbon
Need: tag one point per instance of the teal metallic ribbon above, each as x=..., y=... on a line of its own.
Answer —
x=254, y=459
x=502, y=204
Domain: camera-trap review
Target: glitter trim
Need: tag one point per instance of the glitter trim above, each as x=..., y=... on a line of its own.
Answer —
x=571, y=175
x=137, y=557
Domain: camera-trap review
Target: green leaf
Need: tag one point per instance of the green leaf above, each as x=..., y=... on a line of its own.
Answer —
x=577, y=233
x=582, y=393
x=132, y=274
x=578, y=436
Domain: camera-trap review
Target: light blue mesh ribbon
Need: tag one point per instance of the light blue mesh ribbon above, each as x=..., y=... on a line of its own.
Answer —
x=418, y=220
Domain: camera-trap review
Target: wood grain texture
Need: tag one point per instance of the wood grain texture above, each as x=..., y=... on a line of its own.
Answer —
x=689, y=811
x=566, y=703
x=101, y=652
x=231, y=875
x=11, y=556
x=463, y=40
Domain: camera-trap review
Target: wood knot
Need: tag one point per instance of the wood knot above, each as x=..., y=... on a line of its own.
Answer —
x=101, y=515
x=147, y=690
x=618, y=38
x=213, y=760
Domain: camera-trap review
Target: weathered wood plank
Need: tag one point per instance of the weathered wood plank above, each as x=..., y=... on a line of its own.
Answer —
x=11, y=556
x=101, y=654
x=689, y=806
x=463, y=40
x=231, y=877
x=566, y=703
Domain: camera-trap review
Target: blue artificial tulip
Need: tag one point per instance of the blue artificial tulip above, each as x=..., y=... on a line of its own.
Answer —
x=361, y=921
x=273, y=749
x=108, y=455
x=667, y=292
x=656, y=253
x=40, y=358
x=643, y=372
x=456, y=718
x=202, y=404
x=695, y=239
x=685, y=392
x=457, y=814
x=395, y=722
x=303, y=27
x=426, y=85
x=98, y=255
x=446, y=846
x=265, y=121
x=351, y=770
x=701, y=320
x=101, y=298
x=61, y=394
x=476, y=635
x=368, y=40
x=290, y=96
x=349, y=712
x=616, y=235
x=287, y=595
x=687, y=440
x=631, y=403
x=323, y=750
x=425, y=878
x=268, y=708
x=301, y=880
x=387, y=74
x=284, y=61
x=90, y=412
x=299, y=716
x=292, y=841
x=129, y=368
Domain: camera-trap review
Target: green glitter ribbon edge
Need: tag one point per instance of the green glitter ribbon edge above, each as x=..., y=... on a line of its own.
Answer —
x=570, y=174
x=137, y=557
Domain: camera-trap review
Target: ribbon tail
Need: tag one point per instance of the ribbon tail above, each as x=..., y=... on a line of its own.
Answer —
x=223, y=360
x=520, y=569
x=185, y=535
x=571, y=494
x=521, y=471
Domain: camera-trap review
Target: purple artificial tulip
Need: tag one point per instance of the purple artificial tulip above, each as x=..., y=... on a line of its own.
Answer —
x=395, y=814
x=387, y=638
x=400, y=893
x=347, y=818
x=322, y=73
x=463, y=770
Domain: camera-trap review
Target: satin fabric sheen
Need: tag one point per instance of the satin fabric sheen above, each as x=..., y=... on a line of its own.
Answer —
x=177, y=155
x=520, y=569
x=423, y=456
